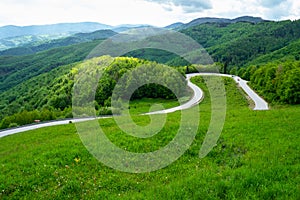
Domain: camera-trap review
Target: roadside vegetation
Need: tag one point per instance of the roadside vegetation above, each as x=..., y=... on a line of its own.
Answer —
x=276, y=82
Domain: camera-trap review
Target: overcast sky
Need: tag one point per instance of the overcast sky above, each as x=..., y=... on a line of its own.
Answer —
x=153, y=12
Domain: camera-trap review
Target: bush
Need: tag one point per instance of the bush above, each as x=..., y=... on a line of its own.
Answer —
x=105, y=111
x=12, y=125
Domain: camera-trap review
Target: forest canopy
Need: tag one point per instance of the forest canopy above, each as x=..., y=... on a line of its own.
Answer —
x=46, y=99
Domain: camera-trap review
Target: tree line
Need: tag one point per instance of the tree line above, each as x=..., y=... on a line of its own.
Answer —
x=276, y=82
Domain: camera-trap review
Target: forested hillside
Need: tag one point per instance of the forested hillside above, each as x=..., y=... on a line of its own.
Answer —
x=49, y=95
x=240, y=43
x=17, y=69
x=206, y=20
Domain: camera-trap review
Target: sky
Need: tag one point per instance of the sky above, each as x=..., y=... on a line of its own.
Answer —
x=153, y=12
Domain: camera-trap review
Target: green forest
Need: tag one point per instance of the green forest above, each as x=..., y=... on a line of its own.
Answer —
x=39, y=85
x=276, y=82
x=49, y=96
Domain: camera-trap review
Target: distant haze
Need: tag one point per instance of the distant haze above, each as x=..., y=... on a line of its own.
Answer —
x=65, y=29
x=154, y=12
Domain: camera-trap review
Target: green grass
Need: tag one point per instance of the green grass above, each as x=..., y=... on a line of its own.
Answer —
x=144, y=105
x=257, y=157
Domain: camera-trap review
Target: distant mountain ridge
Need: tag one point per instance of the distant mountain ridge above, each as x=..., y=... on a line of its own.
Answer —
x=62, y=28
x=11, y=31
x=16, y=40
x=17, y=36
x=205, y=20
x=74, y=39
x=127, y=27
x=175, y=25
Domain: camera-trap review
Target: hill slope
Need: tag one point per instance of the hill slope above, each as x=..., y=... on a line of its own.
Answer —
x=240, y=43
x=253, y=159
x=17, y=69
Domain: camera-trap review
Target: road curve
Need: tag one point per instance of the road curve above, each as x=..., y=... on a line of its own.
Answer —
x=260, y=104
x=195, y=100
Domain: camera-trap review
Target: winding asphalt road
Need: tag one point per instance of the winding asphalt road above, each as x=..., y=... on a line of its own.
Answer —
x=41, y=125
x=197, y=98
x=260, y=104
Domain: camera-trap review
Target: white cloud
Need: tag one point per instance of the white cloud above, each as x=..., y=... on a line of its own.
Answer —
x=154, y=12
x=267, y=9
x=190, y=6
x=271, y=3
x=278, y=11
x=112, y=12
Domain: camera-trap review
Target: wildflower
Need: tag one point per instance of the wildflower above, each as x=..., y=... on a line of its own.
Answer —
x=77, y=160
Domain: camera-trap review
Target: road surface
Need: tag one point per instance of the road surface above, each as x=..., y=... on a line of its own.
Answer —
x=41, y=125
x=260, y=104
x=195, y=100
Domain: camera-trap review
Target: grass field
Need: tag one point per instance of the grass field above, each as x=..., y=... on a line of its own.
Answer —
x=257, y=157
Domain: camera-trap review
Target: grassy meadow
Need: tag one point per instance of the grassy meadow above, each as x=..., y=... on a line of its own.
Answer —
x=257, y=157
